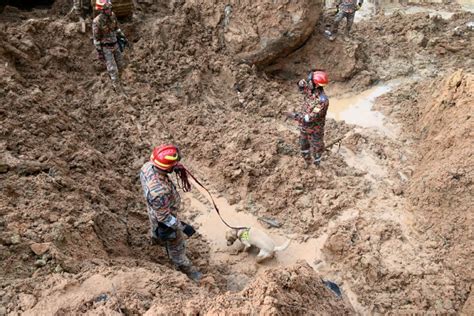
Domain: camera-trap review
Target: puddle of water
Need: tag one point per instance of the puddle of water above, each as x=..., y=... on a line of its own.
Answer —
x=357, y=109
x=212, y=228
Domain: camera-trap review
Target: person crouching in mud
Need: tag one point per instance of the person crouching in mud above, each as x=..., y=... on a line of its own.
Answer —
x=163, y=202
x=312, y=117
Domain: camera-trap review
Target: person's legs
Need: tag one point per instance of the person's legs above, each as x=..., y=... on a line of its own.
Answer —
x=177, y=252
x=110, y=63
x=337, y=20
x=350, y=21
x=317, y=147
x=119, y=61
x=305, y=146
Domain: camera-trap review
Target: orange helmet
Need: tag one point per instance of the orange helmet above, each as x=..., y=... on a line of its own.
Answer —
x=103, y=4
x=320, y=78
x=165, y=157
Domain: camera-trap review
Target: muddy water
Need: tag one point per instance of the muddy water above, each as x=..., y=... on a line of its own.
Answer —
x=212, y=228
x=357, y=109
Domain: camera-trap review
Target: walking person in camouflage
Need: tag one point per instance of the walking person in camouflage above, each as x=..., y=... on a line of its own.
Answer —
x=164, y=202
x=346, y=9
x=312, y=117
x=106, y=31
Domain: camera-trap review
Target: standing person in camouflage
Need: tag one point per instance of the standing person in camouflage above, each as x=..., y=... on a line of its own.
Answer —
x=346, y=9
x=164, y=201
x=312, y=117
x=78, y=7
x=106, y=31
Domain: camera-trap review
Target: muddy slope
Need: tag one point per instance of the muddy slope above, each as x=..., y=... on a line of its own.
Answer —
x=72, y=209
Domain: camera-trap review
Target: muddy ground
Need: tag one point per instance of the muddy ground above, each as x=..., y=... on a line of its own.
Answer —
x=388, y=215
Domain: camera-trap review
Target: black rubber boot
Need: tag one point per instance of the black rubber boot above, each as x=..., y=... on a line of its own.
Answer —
x=191, y=272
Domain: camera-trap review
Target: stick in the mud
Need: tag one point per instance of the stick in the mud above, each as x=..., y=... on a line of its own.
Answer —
x=337, y=140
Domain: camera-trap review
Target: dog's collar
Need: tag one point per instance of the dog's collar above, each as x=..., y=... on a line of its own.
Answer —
x=245, y=235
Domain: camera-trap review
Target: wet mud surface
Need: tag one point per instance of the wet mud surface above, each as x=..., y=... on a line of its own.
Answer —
x=387, y=217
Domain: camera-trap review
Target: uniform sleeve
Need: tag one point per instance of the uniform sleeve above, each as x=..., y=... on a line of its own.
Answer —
x=95, y=35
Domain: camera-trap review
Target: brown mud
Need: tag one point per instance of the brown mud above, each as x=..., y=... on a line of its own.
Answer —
x=388, y=215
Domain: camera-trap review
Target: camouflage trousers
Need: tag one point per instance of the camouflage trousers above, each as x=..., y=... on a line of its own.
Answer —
x=176, y=249
x=80, y=6
x=113, y=61
x=312, y=146
x=339, y=16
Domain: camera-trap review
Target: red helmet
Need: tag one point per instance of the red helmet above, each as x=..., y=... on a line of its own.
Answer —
x=103, y=4
x=165, y=157
x=320, y=78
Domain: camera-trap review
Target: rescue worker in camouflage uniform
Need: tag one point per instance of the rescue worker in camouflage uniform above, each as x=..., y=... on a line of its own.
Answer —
x=78, y=7
x=346, y=9
x=105, y=31
x=164, y=202
x=312, y=117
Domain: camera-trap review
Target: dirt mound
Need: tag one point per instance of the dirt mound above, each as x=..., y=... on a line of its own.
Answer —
x=297, y=289
x=72, y=208
x=157, y=290
x=440, y=188
x=385, y=47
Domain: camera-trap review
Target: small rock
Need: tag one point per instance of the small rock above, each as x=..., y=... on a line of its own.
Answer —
x=53, y=218
x=47, y=257
x=4, y=168
x=397, y=190
x=269, y=300
x=15, y=239
x=58, y=269
x=40, y=263
x=40, y=248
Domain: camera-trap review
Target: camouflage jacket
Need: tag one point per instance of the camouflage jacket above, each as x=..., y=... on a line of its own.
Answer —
x=349, y=6
x=313, y=114
x=161, y=195
x=105, y=29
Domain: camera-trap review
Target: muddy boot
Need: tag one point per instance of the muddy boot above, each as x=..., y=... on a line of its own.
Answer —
x=118, y=88
x=192, y=272
x=317, y=160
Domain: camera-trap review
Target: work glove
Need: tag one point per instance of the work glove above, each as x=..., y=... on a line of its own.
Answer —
x=337, y=9
x=187, y=229
x=100, y=54
x=122, y=41
x=302, y=84
x=359, y=5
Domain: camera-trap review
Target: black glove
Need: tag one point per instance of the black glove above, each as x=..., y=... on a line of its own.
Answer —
x=165, y=233
x=122, y=42
x=188, y=229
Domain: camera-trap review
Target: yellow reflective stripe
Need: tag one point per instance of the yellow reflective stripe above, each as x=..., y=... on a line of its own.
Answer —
x=175, y=157
x=162, y=164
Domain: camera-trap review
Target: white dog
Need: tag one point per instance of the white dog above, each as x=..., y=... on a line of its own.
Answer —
x=254, y=237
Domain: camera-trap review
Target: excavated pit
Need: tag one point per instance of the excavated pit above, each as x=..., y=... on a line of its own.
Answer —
x=373, y=219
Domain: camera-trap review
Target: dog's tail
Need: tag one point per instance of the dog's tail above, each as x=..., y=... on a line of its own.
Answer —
x=282, y=247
